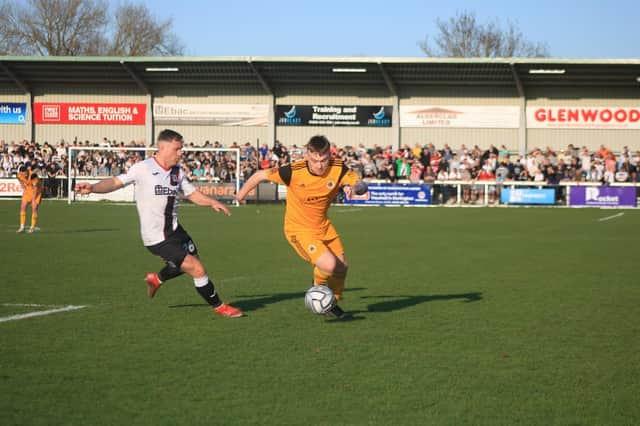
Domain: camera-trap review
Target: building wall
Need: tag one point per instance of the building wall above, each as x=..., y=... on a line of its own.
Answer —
x=332, y=95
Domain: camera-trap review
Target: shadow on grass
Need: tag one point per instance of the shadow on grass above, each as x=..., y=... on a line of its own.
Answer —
x=87, y=230
x=402, y=302
x=253, y=302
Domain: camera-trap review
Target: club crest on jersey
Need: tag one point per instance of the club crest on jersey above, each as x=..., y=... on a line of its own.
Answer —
x=331, y=184
x=312, y=248
x=173, y=179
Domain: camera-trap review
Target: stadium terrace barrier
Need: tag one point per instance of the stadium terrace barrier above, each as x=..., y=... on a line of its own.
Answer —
x=406, y=193
x=505, y=193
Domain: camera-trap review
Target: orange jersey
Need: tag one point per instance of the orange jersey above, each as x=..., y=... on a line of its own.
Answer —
x=309, y=196
x=32, y=185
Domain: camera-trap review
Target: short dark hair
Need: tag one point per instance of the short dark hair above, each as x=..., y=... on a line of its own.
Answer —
x=318, y=143
x=169, y=135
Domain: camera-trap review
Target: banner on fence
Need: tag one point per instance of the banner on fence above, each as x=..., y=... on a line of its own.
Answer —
x=393, y=195
x=528, y=196
x=603, y=196
x=10, y=188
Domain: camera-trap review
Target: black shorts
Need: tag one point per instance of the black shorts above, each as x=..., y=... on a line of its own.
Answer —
x=174, y=249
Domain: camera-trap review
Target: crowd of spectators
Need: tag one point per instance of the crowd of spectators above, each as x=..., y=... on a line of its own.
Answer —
x=422, y=163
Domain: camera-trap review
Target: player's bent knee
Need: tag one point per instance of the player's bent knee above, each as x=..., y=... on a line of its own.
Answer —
x=192, y=266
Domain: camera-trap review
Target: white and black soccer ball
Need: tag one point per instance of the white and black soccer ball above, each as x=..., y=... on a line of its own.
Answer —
x=319, y=299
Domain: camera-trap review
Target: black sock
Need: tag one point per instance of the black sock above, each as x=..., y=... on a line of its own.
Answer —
x=208, y=293
x=169, y=272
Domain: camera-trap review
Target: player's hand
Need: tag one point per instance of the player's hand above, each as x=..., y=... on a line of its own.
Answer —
x=219, y=207
x=83, y=188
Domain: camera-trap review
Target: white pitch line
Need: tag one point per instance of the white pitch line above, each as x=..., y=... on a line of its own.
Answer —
x=40, y=313
x=347, y=210
x=28, y=305
x=611, y=217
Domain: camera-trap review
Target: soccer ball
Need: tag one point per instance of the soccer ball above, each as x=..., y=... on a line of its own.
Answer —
x=319, y=299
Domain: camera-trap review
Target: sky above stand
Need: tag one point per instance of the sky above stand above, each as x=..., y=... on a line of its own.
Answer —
x=571, y=29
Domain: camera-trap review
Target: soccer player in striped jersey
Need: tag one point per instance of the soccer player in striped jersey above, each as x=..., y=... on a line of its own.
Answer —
x=312, y=184
x=159, y=181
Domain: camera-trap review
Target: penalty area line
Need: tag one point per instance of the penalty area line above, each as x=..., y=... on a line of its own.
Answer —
x=38, y=313
x=611, y=217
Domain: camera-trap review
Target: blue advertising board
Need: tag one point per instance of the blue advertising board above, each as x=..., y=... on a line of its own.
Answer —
x=13, y=113
x=528, y=196
x=384, y=194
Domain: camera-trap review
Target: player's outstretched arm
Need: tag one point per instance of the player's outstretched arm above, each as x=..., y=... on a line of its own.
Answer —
x=199, y=199
x=101, y=187
x=251, y=183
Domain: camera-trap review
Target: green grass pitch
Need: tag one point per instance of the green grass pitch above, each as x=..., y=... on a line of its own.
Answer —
x=463, y=316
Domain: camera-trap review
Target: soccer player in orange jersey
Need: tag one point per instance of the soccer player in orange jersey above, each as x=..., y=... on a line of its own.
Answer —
x=312, y=184
x=31, y=195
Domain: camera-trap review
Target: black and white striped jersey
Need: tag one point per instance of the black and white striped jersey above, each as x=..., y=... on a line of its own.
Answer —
x=156, y=192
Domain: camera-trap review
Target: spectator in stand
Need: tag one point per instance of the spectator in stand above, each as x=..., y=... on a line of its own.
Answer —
x=503, y=154
x=429, y=175
x=487, y=175
x=369, y=169
x=594, y=174
x=51, y=184
x=622, y=175
x=403, y=167
x=388, y=170
x=6, y=163
x=425, y=157
x=465, y=175
x=435, y=160
x=417, y=170
x=553, y=178
x=417, y=150
x=604, y=152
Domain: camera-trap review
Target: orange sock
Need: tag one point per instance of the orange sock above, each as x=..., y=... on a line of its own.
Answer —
x=320, y=277
x=336, y=283
x=23, y=218
x=34, y=219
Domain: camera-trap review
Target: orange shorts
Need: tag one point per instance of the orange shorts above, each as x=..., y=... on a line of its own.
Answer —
x=31, y=196
x=310, y=246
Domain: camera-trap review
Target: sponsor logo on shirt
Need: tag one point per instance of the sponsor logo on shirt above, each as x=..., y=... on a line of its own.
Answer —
x=163, y=190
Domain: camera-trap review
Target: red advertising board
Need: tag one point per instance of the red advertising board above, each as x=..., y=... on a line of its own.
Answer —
x=88, y=113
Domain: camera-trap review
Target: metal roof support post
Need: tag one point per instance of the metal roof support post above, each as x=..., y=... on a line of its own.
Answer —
x=30, y=121
x=149, y=125
x=271, y=125
x=522, y=131
x=149, y=130
x=395, y=118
